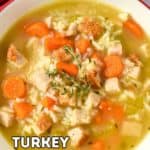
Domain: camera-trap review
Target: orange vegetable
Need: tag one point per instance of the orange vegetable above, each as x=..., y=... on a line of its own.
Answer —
x=71, y=69
x=98, y=118
x=82, y=45
x=14, y=87
x=113, y=66
x=22, y=109
x=131, y=26
x=52, y=43
x=105, y=105
x=38, y=29
x=96, y=55
x=98, y=145
x=111, y=110
x=58, y=34
x=48, y=102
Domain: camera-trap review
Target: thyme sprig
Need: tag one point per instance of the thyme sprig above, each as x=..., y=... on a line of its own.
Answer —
x=71, y=86
x=70, y=50
x=75, y=57
x=52, y=73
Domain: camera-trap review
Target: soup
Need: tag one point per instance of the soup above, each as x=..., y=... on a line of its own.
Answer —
x=67, y=70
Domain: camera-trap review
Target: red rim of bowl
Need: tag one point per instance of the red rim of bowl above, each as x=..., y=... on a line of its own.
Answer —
x=4, y=3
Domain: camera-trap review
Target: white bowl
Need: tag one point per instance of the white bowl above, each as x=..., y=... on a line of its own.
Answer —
x=19, y=7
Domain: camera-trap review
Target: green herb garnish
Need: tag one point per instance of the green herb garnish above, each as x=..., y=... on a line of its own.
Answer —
x=75, y=57
x=52, y=73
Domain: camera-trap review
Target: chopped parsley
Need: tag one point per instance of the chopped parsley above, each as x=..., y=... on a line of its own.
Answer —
x=75, y=57
x=52, y=73
x=70, y=86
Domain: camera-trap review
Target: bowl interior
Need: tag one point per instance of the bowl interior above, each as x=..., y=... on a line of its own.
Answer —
x=22, y=7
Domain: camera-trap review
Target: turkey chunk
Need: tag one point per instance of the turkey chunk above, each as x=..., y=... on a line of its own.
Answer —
x=91, y=70
x=131, y=70
x=42, y=125
x=78, y=136
x=112, y=85
x=73, y=117
x=65, y=100
x=131, y=128
x=40, y=79
x=6, y=116
x=91, y=27
x=115, y=48
x=15, y=57
x=61, y=55
x=135, y=72
x=94, y=79
x=72, y=30
x=48, y=21
x=92, y=100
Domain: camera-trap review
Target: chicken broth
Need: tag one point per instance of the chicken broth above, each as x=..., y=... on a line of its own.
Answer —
x=67, y=70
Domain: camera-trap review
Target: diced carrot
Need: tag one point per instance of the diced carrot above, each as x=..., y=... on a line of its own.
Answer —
x=14, y=87
x=53, y=43
x=118, y=113
x=112, y=110
x=105, y=105
x=22, y=109
x=98, y=118
x=113, y=66
x=82, y=45
x=38, y=29
x=98, y=145
x=96, y=55
x=71, y=69
x=58, y=34
x=131, y=26
x=48, y=102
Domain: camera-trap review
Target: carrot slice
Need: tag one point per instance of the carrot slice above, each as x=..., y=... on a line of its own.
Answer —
x=112, y=110
x=82, y=45
x=71, y=69
x=53, y=43
x=96, y=55
x=48, y=102
x=58, y=34
x=131, y=26
x=98, y=118
x=22, y=109
x=14, y=87
x=105, y=105
x=118, y=113
x=113, y=66
x=98, y=145
x=38, y=29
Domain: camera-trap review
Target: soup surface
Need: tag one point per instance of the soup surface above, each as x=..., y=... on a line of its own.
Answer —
x=76, y=69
